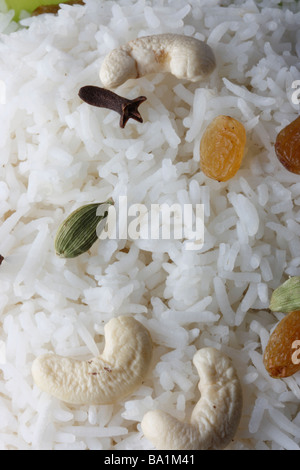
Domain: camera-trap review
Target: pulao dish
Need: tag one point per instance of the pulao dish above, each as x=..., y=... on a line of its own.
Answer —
x=150, y=225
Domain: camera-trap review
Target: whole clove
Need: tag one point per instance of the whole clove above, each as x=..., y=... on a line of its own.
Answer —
x=103, y=98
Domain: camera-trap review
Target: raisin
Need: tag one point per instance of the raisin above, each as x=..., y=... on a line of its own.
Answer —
x=279, y=356
x=287, y=146
x=222, y=148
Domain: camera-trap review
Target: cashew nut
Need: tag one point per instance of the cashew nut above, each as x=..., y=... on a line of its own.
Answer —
x=216, y=416
x=183, y=56
x=102, y=380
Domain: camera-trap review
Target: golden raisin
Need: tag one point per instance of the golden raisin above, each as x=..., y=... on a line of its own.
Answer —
x=222, y=148
x=280, y=356
x=287, y=146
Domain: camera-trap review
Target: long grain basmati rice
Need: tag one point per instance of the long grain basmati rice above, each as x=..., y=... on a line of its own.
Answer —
x=58, y=153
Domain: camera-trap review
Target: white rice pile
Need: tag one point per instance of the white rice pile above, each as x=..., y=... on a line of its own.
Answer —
x=58, y=153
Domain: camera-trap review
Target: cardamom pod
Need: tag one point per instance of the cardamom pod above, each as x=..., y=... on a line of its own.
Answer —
x=286, y=298
x=78, y=232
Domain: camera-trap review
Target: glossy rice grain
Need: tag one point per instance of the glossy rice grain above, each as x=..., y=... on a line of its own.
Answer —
x=222, y=148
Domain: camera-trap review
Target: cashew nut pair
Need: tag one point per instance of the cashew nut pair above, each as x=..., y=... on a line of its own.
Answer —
x=183, y=56
x=105, y=379
x=216, y=416
x=121, y=369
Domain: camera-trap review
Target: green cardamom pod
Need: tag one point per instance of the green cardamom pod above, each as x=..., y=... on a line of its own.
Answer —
x=286, y=298
x=79, y=231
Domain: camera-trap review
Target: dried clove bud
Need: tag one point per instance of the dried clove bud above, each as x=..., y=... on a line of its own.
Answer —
x=103, y=98
x=1, y=259
x=80, y=230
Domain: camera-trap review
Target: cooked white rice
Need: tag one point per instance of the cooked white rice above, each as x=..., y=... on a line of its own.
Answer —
x=58, y=153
